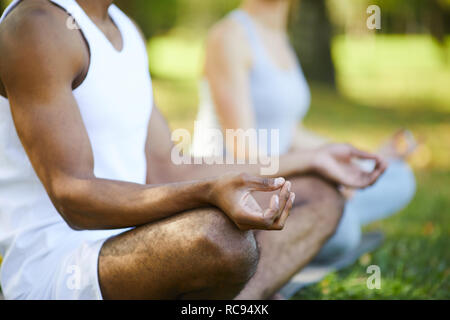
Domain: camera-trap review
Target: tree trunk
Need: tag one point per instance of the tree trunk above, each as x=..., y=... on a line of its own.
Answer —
x=2, y=6
x=311, y=34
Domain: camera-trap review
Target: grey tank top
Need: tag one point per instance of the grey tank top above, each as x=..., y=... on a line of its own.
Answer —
x=280, y=98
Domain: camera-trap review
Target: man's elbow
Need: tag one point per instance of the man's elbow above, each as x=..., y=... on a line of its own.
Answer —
x=65, y=196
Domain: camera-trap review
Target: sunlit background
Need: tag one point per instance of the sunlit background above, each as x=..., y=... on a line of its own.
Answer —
x=365, y=85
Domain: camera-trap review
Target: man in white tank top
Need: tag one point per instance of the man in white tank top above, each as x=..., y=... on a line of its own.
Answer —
x=91, y=205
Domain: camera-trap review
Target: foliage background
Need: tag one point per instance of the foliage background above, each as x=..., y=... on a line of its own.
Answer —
x=365, y=85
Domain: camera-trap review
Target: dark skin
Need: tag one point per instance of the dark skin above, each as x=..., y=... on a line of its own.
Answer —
x=2, y=90
x=179, y=224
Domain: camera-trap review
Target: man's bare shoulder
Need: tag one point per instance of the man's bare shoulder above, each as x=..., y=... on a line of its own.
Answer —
x=36, y=32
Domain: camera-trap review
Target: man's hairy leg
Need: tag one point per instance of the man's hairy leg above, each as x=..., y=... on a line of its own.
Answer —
x=196, y=254
x=201, y=254
x=314, y=218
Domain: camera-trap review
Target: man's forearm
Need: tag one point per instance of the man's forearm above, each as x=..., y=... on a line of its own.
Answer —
x=306, y=139
x=106, y=204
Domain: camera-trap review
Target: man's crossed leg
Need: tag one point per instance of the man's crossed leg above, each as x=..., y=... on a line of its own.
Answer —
x=202, y=254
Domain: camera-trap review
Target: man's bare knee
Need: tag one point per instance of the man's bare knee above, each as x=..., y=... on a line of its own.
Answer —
x=194, y=252
x=233, y=253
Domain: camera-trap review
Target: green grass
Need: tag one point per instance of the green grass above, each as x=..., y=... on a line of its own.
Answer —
x=414, y=260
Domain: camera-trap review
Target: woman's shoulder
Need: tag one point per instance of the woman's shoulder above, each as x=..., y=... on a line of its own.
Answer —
x=227, y=35
x=227, y=29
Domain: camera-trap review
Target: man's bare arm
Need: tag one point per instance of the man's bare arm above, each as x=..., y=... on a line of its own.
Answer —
x=40, y=60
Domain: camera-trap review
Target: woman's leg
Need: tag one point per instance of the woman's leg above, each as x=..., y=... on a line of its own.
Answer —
x=346, y=238
x=392, y=192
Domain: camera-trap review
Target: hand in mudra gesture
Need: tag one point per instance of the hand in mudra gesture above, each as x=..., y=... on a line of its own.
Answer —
x=233, y=195
x=337, y=163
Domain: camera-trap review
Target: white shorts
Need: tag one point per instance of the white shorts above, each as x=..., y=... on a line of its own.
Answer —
x=77, y=276
x=68, y=272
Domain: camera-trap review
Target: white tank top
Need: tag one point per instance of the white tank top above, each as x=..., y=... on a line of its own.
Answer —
x=115, y=101
x=280, y=98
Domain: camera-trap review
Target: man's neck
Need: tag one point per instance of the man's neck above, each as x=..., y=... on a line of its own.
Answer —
x=97, y=9
x=270, y=13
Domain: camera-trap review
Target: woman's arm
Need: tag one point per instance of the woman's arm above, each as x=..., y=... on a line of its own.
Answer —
x=162, y=169
x=228, y=61
x=306, y=139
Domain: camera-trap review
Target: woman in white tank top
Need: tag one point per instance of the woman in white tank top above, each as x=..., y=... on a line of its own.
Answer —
x=253, y=80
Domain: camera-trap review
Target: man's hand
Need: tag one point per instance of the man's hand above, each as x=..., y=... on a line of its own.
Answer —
x=232, y=194
x=336, y=162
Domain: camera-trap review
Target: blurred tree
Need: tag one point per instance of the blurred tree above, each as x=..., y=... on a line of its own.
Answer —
x=311, y=33
x=398, y=17
x=157, y=16
x=153, y=16
x=3, y=5
x=435, y=19
x=201, y=14
x=416, y=16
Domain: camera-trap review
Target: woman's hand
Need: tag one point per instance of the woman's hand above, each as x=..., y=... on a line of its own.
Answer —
x=232, y=194
x=400, y=146
x=337, y=163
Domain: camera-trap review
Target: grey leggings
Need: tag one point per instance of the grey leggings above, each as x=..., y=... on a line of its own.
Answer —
x=391, y=193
